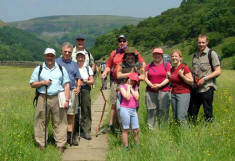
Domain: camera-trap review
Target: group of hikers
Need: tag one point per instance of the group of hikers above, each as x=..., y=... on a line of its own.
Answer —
x=63, y=87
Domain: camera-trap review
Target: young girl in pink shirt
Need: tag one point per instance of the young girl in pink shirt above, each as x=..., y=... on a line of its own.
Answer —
x=129, y=102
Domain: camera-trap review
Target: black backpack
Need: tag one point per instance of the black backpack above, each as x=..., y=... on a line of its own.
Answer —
x=35, y=100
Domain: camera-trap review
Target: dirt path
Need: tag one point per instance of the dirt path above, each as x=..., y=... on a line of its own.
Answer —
x=95, y=149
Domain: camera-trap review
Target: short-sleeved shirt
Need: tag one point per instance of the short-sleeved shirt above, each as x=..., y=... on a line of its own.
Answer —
x=72, y=69
x=201, y=67
x=85, y=72
x=132, y=103
x=157, y=74
x=58, y=79
x=86, y=63
x=177, y=83
x=116, y=58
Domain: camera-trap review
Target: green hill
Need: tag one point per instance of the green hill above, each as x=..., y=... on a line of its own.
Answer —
x=2, y=23
x=19, y=45
x=179, y=27
x=58, y=29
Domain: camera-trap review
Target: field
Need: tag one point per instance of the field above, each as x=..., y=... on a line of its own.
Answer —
x=204, y=142
x=17, y=118
x=214, y=141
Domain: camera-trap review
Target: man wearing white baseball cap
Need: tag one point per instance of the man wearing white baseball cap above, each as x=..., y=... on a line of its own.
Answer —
x=50, y=79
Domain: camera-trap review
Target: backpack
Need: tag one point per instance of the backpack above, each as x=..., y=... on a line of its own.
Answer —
x=102, y=67
x=210, y=59
x=89, y=56
x=35, y=100
x=210, y=62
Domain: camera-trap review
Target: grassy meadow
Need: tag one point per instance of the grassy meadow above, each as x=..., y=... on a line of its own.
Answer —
x=17, y=118
x=203, y=142
x=214, y=141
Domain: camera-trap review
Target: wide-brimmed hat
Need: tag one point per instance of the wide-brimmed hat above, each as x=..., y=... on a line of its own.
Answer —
x=158, y=50
x=130, y=50
x=50, y=51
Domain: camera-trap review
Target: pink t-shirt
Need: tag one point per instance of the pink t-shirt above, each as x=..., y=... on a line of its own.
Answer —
x=157, y=74
x=132, y=103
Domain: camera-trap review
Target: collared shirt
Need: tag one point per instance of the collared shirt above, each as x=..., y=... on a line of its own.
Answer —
x=201, y=67
x=58, y=80
x=86, y=63
x=72, y=69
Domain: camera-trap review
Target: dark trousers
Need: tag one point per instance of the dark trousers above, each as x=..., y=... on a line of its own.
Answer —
x=85, y=112
x=198, y=99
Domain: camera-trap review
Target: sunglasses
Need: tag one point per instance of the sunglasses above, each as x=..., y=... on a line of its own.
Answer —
x=121, y=41
x=68, y=52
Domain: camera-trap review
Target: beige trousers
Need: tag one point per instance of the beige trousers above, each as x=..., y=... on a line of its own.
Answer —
x=59, y=120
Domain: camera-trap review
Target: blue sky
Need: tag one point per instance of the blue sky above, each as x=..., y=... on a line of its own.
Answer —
x=16, y=10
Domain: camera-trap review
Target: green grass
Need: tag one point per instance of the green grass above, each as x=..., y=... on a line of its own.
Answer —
x=212, y=142
x=17, y=118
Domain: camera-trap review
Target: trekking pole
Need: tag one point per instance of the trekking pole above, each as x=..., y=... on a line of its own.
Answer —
x=98, y=131
x=72, y=133
x=45, y=136
x=80, y=111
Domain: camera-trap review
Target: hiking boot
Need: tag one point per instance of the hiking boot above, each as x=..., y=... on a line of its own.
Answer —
x=75, y=142
x=112, y=129
x=42, y=148
x=61, y=149
x=87, y=136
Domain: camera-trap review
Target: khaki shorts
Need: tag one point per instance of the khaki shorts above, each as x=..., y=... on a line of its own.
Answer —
x=114, y=91
x=74, y=100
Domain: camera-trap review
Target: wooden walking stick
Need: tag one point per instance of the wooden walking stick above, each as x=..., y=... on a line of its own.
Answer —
x=98, y=131
x=45, y=136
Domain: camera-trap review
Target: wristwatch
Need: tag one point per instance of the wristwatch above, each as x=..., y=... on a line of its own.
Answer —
x=205, y=78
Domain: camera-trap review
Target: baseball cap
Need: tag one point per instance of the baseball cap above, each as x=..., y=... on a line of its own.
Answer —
x=158, y=50
x=49, y=51
x=80, y=52
x=80, y=37
x=133, y=76
x=122, y=37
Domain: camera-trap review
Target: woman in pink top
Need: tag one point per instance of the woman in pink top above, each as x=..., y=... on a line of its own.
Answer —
x=181, y=78
x=157, y=91
x=129, y=102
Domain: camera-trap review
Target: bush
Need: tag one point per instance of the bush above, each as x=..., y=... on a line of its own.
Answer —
x=228, y=49
x=215, y=38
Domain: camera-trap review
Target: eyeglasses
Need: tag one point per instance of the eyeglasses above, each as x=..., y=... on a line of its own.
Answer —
x=67, y=52
x=121, y=41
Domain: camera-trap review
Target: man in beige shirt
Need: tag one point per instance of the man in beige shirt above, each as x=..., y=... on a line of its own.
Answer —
x=206, y=73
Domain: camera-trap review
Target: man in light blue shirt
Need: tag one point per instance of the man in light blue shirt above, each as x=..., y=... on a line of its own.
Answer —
x=74, y=75
x=57, y=80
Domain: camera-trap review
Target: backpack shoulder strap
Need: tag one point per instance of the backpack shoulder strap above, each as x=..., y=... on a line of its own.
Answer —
x=89, y=56
x=39, y=72
x=210, y=59
x=61, y=69
x=87, y=68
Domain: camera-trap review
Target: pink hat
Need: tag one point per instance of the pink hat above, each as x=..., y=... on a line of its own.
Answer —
x=158, y=50
x=133, y=76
